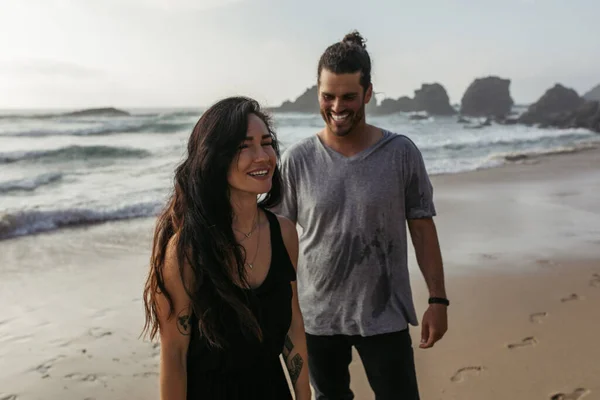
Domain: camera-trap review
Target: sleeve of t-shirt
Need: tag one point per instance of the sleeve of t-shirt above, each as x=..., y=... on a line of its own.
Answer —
x=288, y=207
x=418, y=190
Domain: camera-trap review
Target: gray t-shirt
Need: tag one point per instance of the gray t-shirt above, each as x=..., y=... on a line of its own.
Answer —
x=353, y=277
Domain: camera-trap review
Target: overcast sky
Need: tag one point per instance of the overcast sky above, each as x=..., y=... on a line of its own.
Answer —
x=189, y=53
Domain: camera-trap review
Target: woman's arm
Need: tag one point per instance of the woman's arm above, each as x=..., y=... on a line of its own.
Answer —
x=294, y=349
x=174, y=329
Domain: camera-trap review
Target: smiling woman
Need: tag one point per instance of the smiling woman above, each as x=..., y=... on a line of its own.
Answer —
x=221, y=290
x=253, y=169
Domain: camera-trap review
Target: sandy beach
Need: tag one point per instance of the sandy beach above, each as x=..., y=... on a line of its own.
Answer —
x=521, y=245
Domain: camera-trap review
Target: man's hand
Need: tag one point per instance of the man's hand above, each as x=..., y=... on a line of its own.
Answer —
x=434, y=325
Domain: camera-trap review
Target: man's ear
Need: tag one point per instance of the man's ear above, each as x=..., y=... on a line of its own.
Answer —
x=369, y=93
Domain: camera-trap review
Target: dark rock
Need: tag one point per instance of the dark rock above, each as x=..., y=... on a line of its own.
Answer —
x=98, y=112
x=480, y=126
x=418, y=117
x=405, y=104
x=553, y=108
x=463, y=120
x=593, y=94
x=587, y=116
x=561, y=107
x=307, y=102
x=372, y=106
x=489, y=96
x=430, y=98
x=516, y=157
x=433, y=99
x=507, y=121
x=391, y=106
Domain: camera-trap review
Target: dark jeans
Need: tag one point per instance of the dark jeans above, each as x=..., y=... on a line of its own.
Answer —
x=388, y=361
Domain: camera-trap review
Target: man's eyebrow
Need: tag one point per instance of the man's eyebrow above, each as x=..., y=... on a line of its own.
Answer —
x=345, y=94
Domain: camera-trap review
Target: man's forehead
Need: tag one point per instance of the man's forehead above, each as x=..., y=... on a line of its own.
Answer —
x=332, y=80
x=340, y=89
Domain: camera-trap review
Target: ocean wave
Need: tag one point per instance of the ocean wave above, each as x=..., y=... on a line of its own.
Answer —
x=27, y=222
x=156, y=113
x=73, y=153
x=185, y=114
x=548, y=139
x=26, y=116
x=107, y=129
x=528, y=155
x=30, y=184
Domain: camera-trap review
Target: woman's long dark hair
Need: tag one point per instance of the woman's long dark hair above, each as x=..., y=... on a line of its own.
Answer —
x=199, y=212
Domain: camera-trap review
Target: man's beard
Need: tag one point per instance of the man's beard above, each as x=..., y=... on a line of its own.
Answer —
x=354, y=117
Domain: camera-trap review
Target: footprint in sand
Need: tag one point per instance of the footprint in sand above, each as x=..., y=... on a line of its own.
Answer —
x=44, y=367
x=145, y=374
x=83, y=377
x=538, y=317
x=574, y=395
x=566, y=194
x=571, y=297
x=92, y=378
x=155, y=350
x=9, y=397
x=545, y=263
x=99, y=332
x=528, y=341
x=21, y=339
x=102, y=313
x=463, y=373
x=595, y=281
x=3, y=322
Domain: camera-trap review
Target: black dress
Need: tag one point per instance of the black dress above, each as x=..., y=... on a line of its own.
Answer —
x=247, y=368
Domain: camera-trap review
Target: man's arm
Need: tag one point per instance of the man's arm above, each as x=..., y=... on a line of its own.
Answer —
x=429, y=258
x=288, y=207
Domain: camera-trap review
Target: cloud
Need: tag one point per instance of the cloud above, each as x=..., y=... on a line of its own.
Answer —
x=167, y=5
x=49, y=69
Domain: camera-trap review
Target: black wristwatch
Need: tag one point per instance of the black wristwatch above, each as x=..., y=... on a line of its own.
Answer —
x=439, y=300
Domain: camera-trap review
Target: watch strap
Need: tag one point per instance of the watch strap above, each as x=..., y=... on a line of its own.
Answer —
x=439, y=300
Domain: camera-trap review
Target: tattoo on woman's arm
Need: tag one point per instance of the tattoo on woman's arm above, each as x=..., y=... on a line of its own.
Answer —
x=183, y=322
x=295, y=364
x=288, y=346
x=295, y=367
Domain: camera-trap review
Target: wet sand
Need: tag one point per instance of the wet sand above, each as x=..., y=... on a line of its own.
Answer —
x=521, y=245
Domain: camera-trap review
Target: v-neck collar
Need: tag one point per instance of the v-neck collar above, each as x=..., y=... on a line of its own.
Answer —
x=358, y=156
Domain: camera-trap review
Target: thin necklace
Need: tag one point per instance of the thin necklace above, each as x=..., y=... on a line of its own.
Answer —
x=251, y=264
x=247, y=235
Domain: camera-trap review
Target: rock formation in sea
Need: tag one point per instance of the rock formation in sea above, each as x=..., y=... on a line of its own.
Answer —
x=430, y=98
x=562, y=107
x=587, y=116
x=98, y=112
x=487, y=97
x=593, y=94
x=392, y=106
x=555, y=104
x=307, y=102
x=433, y=99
